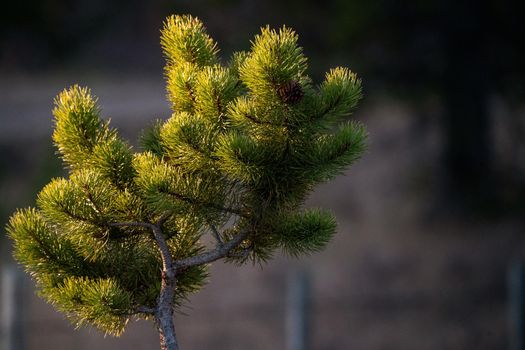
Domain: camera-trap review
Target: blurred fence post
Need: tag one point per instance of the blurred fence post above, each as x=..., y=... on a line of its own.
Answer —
x=11, y=308
x=298, y=311
x=516, y=290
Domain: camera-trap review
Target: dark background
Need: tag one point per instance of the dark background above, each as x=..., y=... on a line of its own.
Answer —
x=434, y=211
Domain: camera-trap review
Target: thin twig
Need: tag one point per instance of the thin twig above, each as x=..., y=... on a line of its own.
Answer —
x=132, y=223
x=216, y=233
x=163, y=219
x=194, y=201
x=242, y=254
x=145, y=310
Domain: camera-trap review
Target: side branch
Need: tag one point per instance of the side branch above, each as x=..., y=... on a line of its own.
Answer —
x=219, y=252
x=196, y=202
x=164, y=309
x=167, y=261
x=144, y=310
x=132, y=223
x=328, y=109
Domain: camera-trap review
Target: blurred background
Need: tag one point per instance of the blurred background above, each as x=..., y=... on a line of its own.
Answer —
x=431, y=220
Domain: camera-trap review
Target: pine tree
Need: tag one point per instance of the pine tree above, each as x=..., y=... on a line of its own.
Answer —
x=122, y=235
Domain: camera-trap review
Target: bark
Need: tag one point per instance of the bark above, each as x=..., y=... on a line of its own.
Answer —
x=222, y=250
x=164, y=314
x=164, y=311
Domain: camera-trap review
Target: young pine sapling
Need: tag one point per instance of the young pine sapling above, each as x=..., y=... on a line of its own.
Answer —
x=122, y=235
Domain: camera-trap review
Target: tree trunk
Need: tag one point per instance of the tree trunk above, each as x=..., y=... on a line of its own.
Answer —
x=164, y=312
x=168, y=339
x=164, y=315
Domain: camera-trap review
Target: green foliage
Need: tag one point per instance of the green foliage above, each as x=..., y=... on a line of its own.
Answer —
x=101, y=302
x=275, y=59
x=188, y=140
x=245, y=145
x=304, y=232
x=39, y=248
x=340, y=93
x=184, y=39
x=150, y=138
x=78, y=127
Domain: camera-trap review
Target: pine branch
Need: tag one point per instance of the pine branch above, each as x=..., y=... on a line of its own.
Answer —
x=329, y=108
x=164, y=310
x=220, y=251
x=167, y=261
x=243, y=254
x=144, y=310
x=191, y=94
x=196, y=202
x=216, y=233
x=261, y=122
x=73, y=216
x=90, y=199
x=163, y=219
x=132, y=224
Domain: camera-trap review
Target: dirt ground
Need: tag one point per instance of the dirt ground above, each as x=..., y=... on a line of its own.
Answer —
x=402, y=273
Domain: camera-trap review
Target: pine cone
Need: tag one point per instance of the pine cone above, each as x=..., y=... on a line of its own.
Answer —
x=290, y=92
